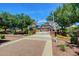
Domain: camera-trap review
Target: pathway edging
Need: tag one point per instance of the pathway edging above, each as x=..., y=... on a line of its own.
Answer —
x=47, y=49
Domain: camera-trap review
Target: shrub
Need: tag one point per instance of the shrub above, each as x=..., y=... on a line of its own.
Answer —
x=2, y=36
x=63, y=31
x=34, y=31
x=25, y=30
x=13, y=32
x=73, y=38
x=62, y=47
x=29, y=32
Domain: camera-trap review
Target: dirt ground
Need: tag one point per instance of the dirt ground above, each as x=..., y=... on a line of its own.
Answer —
x=57, y=52
x=61, y=41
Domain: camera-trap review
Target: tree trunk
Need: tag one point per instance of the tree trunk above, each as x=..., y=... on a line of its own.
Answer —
x=15, y=30
x=5, y=30
x=22, y=29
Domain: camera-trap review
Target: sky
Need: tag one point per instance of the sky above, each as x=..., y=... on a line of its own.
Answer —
x=37, y=11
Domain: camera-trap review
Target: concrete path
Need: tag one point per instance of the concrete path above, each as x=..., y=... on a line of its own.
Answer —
x=39, y=44
x=48, y=49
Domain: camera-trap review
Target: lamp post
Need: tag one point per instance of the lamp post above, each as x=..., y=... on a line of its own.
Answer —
x=54, y=25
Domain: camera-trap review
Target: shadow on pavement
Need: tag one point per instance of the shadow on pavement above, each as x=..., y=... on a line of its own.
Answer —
x=3, y=41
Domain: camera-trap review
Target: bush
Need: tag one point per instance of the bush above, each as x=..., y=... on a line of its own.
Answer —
x=64, y=32
x=34, y=31
x=29, y=32
x=25, y=30
x=73, y=38
x=62, y=47
x=13, y=32
x=2, y=36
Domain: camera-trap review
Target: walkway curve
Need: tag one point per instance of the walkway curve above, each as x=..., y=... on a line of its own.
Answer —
x=39, y=37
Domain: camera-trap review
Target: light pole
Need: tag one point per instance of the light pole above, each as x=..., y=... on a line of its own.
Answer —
x=54, y=25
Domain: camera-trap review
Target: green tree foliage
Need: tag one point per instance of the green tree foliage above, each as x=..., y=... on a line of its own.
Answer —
x=10, y=21
x=66, y=15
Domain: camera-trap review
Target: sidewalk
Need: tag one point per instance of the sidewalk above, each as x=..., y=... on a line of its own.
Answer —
x=35, y=45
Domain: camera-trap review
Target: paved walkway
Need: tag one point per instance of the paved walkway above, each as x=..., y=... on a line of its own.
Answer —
x=39, y=44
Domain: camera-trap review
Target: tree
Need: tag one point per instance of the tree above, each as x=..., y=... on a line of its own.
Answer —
x=24, y=21
x=5, y=19
x=10, y=21
x=66, y=15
